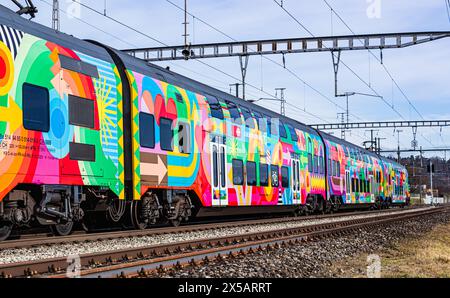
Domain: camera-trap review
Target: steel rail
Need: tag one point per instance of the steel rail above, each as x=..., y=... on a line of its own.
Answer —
x=178, y=252
x=29, y=242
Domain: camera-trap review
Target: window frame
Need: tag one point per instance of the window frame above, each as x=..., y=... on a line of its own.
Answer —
x=215, y=106
x=47, y=124
x=272, y=170
x=247, y=114
x=251, y=165
x=282, y=128
x=187, y=136
x=264, y=168
x=162, y=133
x=293, y=133
x=234, y=107
x=153, y=141
x=76, y=102
x=234, y=168
x=285, y=179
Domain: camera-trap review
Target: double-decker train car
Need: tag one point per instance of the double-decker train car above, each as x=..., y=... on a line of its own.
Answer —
x=91, y=135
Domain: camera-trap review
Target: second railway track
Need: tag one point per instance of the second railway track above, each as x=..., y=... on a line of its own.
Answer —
x=136, y=262
x=28, y=241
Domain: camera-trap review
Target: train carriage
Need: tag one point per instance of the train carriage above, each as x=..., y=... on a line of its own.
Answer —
x=91, y=135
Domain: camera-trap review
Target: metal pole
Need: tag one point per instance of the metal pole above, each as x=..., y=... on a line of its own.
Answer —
x=398, y=152
x=282, y=100
x=243, y=60
x=55, y=16
x=431, y=181
x=348, y=111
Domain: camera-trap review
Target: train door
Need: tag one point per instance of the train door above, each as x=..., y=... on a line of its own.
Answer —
x=296, y=188
x=219, y=182
x=348, y=184
x=372, y=189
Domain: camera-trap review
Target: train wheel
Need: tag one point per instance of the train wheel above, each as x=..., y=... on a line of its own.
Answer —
x=175, y=222
x=63, y=229
x=5, y=230
x=136, y=219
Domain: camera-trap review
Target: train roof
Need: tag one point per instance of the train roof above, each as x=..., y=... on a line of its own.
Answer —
x=171, y=77
x=13, y=20
x=351, y=145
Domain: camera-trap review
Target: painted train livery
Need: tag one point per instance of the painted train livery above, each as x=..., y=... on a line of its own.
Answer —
x=90, y=135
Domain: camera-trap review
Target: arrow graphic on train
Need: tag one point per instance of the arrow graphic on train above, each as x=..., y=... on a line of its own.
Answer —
x=150, y=168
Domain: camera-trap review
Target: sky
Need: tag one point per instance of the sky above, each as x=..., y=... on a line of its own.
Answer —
x=422, y=72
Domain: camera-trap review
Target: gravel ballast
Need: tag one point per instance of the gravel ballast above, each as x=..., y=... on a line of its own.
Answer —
x=313, y=259
x=8, y=256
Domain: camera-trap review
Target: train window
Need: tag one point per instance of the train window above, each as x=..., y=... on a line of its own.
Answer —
x=264, y=175
x=184, y=142
x=338, y=174
x=81, y=111
x=285, y=177
x=270, y=130
x=275, y=175
x=216, y=108
x=320, y=165
x=282, y=129
x=361, y=185
x=316, y=164
x=36, y=108
x=82, y=152
x=261, y=121
x=238, y=172
x=78, y=66
x=251, y=173
x=330, y=167
x=166, y=134
x=249, y=120
x=235, y=114
x=353, y=185
x=310, y=163
x=179, y=97
x=147, y=130
x=293, y=133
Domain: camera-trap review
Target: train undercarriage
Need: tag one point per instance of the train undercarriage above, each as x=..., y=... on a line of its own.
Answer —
x=61, y=208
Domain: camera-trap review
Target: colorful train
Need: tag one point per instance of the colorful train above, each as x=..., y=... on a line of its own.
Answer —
x=90, y=135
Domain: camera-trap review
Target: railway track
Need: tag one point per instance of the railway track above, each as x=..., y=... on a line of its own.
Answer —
x=143, y=261
x=28, y=241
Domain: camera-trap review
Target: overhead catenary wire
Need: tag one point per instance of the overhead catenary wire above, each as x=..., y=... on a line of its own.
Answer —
x=447, y=6
x=394, y=81
x=267, y=58
x=275, y=62
x=160, y=42
x=283, y=7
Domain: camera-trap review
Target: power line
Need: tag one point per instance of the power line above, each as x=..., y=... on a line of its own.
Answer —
x=162, y=43
x=447, y=6
x=267, y=58
x=134, y=45
x=348, y=67
x=384, y=66
x=343, y=63
x=276, y=63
